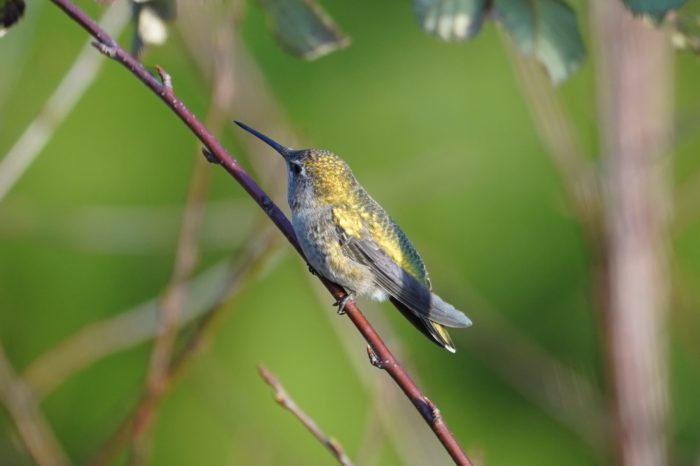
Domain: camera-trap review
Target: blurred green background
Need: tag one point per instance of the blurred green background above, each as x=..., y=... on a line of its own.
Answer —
x=439, y=133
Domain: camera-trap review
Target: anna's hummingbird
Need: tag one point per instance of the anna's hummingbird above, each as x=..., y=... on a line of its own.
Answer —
x=348, y=238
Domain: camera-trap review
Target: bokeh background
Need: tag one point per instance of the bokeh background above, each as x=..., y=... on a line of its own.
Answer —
x=446, y=136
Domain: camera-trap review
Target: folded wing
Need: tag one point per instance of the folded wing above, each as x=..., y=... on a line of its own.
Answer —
x=401, y=285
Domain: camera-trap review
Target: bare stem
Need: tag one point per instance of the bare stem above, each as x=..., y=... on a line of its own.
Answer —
x=290, y=405
x=174, y=298
x=557, y=133
x=32, y=427
x=109, y=47
x=257, y=251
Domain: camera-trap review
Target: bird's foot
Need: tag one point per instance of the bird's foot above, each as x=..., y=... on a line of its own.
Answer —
x=342, y=302
x=313, y=271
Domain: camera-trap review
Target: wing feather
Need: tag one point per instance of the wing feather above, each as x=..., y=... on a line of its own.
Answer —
x=400, y=284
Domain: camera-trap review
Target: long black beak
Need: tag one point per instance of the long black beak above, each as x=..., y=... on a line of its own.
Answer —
x=283, y=151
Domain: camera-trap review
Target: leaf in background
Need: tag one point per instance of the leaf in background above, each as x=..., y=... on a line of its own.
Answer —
x=655, y=8
x=10, y=12
x=685, y=24
x=303, y=28
x=150, y=18
x=451, y=19
x=546, y=29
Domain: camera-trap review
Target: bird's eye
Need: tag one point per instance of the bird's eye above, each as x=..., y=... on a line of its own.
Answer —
x=297, y=169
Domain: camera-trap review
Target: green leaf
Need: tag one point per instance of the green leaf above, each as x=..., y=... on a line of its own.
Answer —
x=451, y=19
x=303, y=29
x=546, y=29
x=655, y=8
x=10, y=12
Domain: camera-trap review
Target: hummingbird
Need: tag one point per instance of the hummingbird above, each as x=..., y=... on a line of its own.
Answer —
x=348, y=238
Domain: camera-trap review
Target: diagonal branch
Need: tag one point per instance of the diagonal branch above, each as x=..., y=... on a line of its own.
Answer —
x=33, y=428
x=579, y=175
x=388, y=362
x=186, y=256
x=290, y=405
x=134, y=423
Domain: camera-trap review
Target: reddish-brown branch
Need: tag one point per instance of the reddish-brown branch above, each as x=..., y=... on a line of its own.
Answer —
x=110, y=48
x=284, y=400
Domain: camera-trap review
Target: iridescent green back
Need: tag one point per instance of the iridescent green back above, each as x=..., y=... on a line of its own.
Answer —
x=355, y=211
x=390, y=236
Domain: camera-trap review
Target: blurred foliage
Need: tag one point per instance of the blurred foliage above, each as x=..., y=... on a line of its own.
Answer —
x=303, y=28
x=10, y=12
x=546, y=29
x=686, y=26
x=451, y=20
x=655, y=8
x=438, y=133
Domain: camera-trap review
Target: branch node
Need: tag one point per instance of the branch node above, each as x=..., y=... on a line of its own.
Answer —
x=209, y=156
x=267, y=204
x=374, y=358
x=431, y=410
x=108, y=49
x=166, y=80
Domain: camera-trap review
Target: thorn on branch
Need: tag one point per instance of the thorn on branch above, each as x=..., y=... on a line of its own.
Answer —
x=209, y=156
x=268, y=206
x=429, y=409
x=164, y=77
x=105, y=48
x=374, y=358
x=166, y=80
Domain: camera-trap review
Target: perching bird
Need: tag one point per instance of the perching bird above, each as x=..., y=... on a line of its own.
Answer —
x=348, y=238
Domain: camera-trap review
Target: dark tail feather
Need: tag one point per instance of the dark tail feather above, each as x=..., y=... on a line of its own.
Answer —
x=435, y=332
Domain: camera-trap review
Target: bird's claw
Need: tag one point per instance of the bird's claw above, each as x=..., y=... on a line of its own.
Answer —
x=342, y=302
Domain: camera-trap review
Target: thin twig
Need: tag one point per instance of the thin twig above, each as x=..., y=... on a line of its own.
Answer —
x=259, y=248
x=411, y=442
x=162, y=369
x=32, y=427
x=125, y=330
x=426, y=407
x=174, y=297
x=73, y=86
x=131, y=230
x=578, y=174
x=288, y=403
